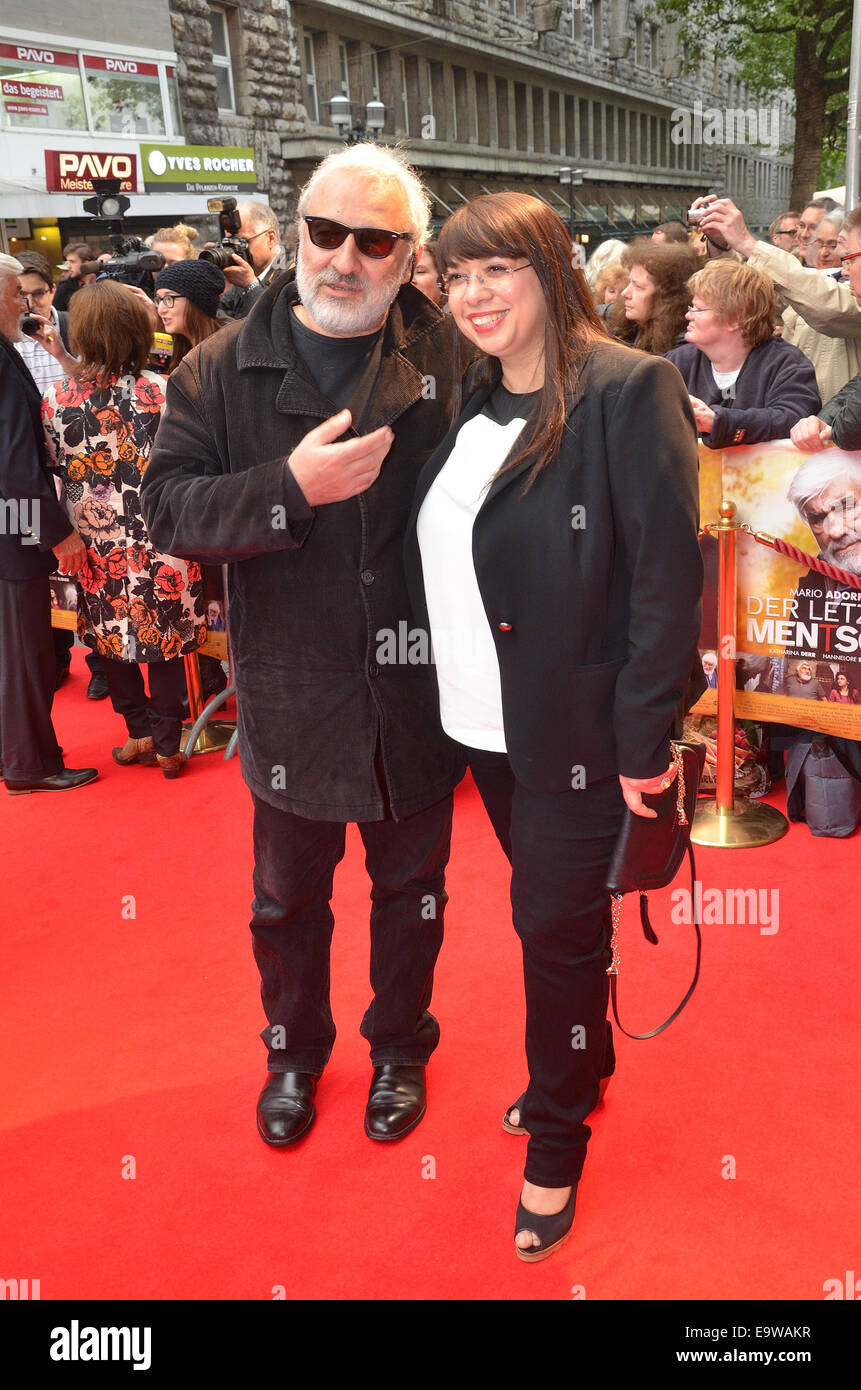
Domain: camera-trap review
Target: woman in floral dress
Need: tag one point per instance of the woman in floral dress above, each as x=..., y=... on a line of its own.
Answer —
x=137, y=607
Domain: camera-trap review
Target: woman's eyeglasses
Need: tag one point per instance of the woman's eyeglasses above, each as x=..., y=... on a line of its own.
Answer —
x=496, y=277
x=167, y=301
x=373, y=242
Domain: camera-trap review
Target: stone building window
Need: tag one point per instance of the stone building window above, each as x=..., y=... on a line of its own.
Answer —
x=221, y=59
x=343, y=68
x=312, y=101
x=653, y=47
x=597, y=24
x=639, y=43
x=405, y=96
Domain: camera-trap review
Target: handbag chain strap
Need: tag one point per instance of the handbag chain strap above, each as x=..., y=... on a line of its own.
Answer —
x=616, y=908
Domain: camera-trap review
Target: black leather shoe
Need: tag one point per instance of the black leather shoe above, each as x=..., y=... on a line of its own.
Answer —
x=396, y=1101
x=64, y=781
x=285, y=1106
x=98, y=687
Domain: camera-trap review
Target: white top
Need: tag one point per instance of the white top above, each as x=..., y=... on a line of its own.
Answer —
x=724, y=380
x=467, y=668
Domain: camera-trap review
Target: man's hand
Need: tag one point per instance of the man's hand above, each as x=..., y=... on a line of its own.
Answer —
x=810, y=434
x=722, y=216
x=703, y=414
x=49, y=338
x=633, y=788
x=240, y=273
x=71, y=554
x=147, y=303
x=329, y=472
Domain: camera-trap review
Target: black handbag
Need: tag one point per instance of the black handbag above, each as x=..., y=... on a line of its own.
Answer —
x=647, y=855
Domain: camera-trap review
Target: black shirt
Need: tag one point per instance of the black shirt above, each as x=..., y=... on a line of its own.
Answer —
x=344, y=370
x=503, y=405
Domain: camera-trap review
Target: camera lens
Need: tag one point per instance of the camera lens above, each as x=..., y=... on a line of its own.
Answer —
x=30, y=326
x=217, y=256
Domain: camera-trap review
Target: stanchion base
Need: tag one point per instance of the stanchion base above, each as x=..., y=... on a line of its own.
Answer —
x=750, y=823
x=214, y=736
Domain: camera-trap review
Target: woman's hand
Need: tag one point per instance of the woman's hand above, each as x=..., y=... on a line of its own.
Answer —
x=49, y=338
x=633, y=788
x=703, y=414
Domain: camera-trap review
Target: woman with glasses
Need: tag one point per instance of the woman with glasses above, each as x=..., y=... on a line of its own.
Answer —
x=137, y=607
x=553, y=556
x=187, y=295
x=746, y=385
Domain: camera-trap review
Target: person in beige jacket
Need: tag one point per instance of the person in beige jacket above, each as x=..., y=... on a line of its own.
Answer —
x=821, y=317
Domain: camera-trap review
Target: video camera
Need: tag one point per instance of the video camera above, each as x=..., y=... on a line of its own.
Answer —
x=130, y=258
x=230, y=244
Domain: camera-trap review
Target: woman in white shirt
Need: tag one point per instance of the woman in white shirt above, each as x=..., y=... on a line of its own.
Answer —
x=554, y=557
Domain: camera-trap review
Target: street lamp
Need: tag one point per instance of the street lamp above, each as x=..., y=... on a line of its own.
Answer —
x=571, y=179
x=340, y=110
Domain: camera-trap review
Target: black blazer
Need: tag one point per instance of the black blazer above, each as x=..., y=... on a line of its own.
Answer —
x=595, y=624
x=24, y=476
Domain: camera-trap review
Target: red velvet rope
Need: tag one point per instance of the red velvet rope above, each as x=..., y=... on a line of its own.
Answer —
x=852, y=581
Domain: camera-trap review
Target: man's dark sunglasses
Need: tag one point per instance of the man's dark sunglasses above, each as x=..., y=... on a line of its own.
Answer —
x=373, y=242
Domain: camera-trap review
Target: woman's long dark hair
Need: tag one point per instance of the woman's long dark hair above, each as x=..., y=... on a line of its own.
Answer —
x=199, y=326
x=515, y=225
x=671, y=266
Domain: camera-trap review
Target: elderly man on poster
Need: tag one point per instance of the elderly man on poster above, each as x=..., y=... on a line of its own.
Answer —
x=290, y=449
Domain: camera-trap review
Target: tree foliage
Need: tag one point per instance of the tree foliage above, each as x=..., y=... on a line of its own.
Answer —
x=802, y=45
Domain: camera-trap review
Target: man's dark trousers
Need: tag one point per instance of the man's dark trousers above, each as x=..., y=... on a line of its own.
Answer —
x=295, y=860
x=28, y=745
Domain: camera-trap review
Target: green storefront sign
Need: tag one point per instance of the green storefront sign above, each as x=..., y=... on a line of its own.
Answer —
x=198, y=169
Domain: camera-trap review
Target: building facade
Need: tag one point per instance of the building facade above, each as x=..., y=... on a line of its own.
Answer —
x=185, y=99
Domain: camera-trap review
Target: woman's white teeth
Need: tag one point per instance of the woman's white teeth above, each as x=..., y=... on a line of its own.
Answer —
x=490, y=318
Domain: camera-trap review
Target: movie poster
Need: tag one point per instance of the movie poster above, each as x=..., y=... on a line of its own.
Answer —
x=798, y=632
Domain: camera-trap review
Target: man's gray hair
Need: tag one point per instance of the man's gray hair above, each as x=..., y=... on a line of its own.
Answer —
x=389, y=166
x=814, y=475
x=259, y=215
x=9, y=264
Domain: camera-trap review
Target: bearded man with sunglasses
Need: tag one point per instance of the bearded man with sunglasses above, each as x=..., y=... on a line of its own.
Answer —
x=290, y=449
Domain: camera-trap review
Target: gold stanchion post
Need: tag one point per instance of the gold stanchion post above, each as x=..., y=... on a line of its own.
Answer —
x=217, y=733
x=734, y=823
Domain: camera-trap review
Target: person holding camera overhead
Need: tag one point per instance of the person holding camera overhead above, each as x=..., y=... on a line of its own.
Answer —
x=258, y=225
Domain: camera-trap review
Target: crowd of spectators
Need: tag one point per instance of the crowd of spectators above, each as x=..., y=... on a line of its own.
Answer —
x=766, y=334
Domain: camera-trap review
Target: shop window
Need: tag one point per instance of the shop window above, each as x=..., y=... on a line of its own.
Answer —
x=42, y=91
x=173, y=100
x=124, y=95
x=221, y=60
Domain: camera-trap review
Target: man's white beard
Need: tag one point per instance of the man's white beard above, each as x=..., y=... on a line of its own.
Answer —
x=347, y=317
x=850, y=563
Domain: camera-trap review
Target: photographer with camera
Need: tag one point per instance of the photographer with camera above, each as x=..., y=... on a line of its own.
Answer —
x=37, y=286
x=820, y=315
x=247, y=268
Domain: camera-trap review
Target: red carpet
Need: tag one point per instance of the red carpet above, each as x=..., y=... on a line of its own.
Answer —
x=131, y=1043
